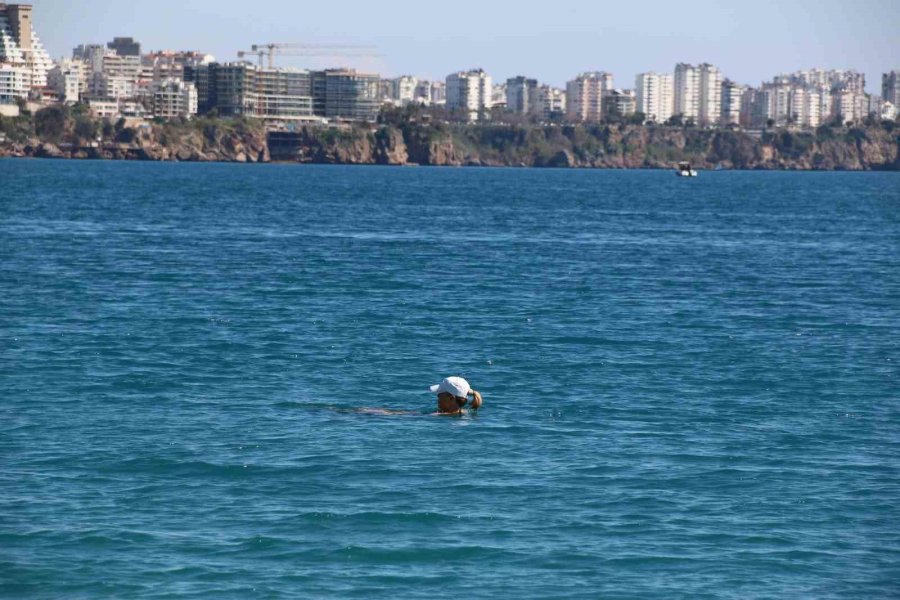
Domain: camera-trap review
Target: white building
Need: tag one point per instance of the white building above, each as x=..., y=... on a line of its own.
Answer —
x=850, y=106
x=584, y=95
x=655, y=96
x=552, y=102
x=69, y=79
x=698, y=93
x=404, y=89
x=14, y=83
x=437, y=93
x=831, y=79
x=710, y=95
x=103, y=108
x=687, y=91
x=498, y=95
x=101, y=85
x=173, y=98
x=20, y=46
x=470, y=91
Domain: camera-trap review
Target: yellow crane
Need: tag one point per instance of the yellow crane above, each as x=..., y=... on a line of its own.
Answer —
x=311, y=50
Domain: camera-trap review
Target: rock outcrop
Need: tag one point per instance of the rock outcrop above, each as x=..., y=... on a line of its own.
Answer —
x=594, y=145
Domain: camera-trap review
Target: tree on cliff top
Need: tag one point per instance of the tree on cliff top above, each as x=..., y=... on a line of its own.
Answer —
x=50, y=123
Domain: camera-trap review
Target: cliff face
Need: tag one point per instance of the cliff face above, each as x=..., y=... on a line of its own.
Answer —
x=597, y=146
x=61, y=134
x=58, y=132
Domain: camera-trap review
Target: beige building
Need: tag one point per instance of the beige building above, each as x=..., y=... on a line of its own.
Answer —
x=585, y=93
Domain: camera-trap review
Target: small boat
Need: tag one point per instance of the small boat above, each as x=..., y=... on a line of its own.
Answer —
x=684, y=170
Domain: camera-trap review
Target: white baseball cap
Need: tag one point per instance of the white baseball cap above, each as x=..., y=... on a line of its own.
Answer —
x=457, y=386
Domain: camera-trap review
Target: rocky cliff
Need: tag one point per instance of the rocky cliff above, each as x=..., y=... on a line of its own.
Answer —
x=59, y=133
x=62, y=133
x=596, y=146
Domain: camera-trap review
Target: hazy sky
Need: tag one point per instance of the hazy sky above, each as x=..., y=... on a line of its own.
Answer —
x=552, y=41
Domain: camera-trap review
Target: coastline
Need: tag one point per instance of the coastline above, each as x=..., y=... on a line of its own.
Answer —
x=875, y=147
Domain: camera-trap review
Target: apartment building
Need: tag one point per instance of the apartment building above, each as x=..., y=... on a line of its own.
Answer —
x=125, y=46
x=21, y=50
x=698, y=93
x=585, y=93
x=731, y=102
x=522, y=96
x=890, y=87
x=552, y=102
x=687, y=91
x=350, y=95
x=470, y=91
x=403, y=89
x=241, y=88
x=710, y=95
x=655, y=97
x=68, y=78
x=620, y=103
x=173, y=98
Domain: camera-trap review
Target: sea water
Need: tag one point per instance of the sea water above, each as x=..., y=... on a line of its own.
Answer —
x=691, y=385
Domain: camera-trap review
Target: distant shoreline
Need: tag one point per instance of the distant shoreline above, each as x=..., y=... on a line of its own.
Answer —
x=60, y=133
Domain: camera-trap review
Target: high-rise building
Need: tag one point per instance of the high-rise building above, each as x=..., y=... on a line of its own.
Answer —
x=125, y=46
x=584, y=95
x=831, y=79
x=698, y=93
x=522, y=95
x=850, y=106
x=20, y=47
x=242, y=88
x=710, y=95
x=731, y=102
x=350, y=95
x=654, y=96
x=470, y=91
x=890, y=87
x=687, y=91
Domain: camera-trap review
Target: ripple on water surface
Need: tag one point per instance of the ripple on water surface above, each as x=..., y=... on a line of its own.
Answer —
x=690, y=386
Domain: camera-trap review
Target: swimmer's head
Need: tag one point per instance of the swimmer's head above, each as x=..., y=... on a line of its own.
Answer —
x=455, y=386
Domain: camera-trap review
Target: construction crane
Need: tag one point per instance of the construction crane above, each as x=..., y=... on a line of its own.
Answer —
x=321, y=50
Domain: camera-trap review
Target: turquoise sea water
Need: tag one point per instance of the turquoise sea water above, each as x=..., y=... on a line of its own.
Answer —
x=691, y=385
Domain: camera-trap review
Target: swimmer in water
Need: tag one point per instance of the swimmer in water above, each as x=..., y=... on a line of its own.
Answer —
x=453, y=394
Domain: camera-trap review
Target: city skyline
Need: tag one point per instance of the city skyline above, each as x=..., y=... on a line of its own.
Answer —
x=552, y=46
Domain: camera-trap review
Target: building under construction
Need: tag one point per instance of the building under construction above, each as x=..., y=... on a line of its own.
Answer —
x=244, y=89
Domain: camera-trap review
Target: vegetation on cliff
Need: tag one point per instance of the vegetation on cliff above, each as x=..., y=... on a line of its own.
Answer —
x=60, y=131
x=415, y=136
